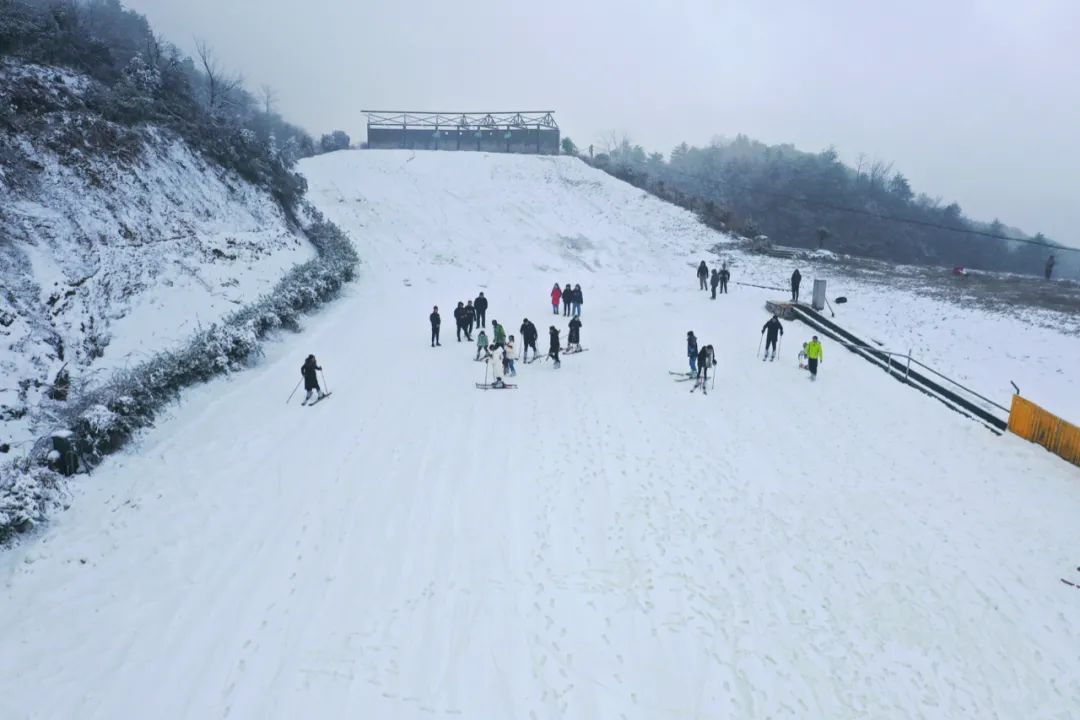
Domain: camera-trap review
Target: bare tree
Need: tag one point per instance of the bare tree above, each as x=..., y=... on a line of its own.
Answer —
x=220, y=84
x=268, y=98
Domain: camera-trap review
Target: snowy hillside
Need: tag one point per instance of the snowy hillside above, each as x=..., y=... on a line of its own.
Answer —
x=598, y=543
x=111, y=255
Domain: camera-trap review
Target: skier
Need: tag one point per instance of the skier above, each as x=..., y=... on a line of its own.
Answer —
x=692, y=350
x=1049, y=266
x=481, y=306
x=796, y=278
x=802, y=358
x=567, y=296
x=499, y=332
x=774, y=329
x=702, y=274
x=470, y=318
x=509, y=356
x=528, y=335
x=481, y=343
x=553, y=345
x=573, y=340
x=724, y=277
x=459, y=318
x=705, y=359
x=311, y=379
x=577, y=301
x=556, y=295
x=714, y=280
x=495, y=360
x=436, y=322
x=814, y=356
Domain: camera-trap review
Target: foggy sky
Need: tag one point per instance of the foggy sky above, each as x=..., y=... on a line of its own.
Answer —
x=975, y=101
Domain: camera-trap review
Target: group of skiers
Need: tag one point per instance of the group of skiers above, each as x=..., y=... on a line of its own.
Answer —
x=718, y=278
x=701, y=359
x=570, y=297
x=466, y=315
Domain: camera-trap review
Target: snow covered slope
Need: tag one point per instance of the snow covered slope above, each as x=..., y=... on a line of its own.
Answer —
x=111, y=255
x=599, y=543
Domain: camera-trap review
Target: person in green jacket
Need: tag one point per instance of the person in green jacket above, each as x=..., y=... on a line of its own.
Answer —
x=814, y=356
x=500, y=333
x=481, y=344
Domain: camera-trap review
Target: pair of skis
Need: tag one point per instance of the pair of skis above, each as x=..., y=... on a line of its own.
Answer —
x=490, y=386
x=316, y=401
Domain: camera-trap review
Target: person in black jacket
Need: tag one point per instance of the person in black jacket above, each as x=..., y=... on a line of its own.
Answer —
x=553, y=345
x=702, y=274
x=436, y=322
x=470, y=318
x=724, y=277
x=773, y=328
x=567, y=298
x=311, y=379
x=528, y=336
x=796, y=279
x=481, y=306
x=705, y=360
x=714, y=280
x=573, y=340
x=459, y=318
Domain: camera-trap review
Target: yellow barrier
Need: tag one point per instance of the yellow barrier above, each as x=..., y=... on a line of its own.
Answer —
x=1031, y=422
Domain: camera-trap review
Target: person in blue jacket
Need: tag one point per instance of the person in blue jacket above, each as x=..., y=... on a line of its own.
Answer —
x=692, y=350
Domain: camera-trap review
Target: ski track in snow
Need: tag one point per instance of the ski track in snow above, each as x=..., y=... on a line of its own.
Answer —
x=599, y=543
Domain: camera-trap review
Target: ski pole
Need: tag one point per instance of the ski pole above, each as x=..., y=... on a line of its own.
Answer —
x=294, y=390
x=485, y=372
x=325, y=384
x=759, y=345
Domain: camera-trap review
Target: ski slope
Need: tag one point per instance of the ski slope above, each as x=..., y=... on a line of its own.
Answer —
x=599, y=543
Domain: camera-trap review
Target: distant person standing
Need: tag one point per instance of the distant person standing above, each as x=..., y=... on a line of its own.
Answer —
x=553, y=344
x=459, y=318
x=724, y=277
x=528, y=336
x=692, y=350
x=1049, y=266
x=436, y=322
x=498, y=332
x=481, y=306
x=556, y=295
x=714, y=280
x=577, y=301
x=567, y=297
x=508, y=354
x=773, y=330
x=481, y=344
x=573, y=340
x=470, y=318
x=814, y=356
x=702, y=275
x=796, y=280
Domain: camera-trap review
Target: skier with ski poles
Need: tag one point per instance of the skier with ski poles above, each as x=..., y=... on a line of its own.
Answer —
x=714, y=280
x=553, y=345
x=796, y=279
x=436, y=322
x=814, y=356
x=556, y=295
x=772, y=330
x=481, y=344
x=573, y=340
x=724, y=277
x=692, y=351
x=311, y=379
x=528, y=335
x=705, y=360
x=481, y=306
x=702, y=274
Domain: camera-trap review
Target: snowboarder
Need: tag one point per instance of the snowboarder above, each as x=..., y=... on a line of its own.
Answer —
x=714, y=280
x=724, y=277
x=556, y=295
x=495, y=360
x=573, y=340
x=311, y=379
x=577, y=301
x=481, y=306
x=459, y=318
x=436, y=322
x=470, y=318
x=1049, y=266
x=509, y=356
x=773, y=328
x=814, y=356
x=705, y=359
x=702, y=274
x=499, y=333
x=528, y=335
x=796, y=278
x=481, y=343
x=567, y=296
x=802, y=358
x=553, y=345
x=692, y=350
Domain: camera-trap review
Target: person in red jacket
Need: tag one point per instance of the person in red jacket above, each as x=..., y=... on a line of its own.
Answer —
x=556, y=296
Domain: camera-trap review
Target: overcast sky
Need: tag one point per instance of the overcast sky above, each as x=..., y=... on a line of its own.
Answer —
x=977, y=101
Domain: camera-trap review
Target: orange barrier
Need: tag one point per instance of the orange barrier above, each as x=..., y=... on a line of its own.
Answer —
x=1031, y=422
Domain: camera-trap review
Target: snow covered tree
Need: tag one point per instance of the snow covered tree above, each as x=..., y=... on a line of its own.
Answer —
x=337, y=140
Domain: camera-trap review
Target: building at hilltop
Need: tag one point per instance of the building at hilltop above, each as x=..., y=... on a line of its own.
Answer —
x=533, y=132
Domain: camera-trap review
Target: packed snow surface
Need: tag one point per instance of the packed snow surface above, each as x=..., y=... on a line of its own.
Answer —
x=598, y=543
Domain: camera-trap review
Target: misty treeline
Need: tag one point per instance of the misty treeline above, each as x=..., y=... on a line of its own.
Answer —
x=143, y=79
x=806, y=200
